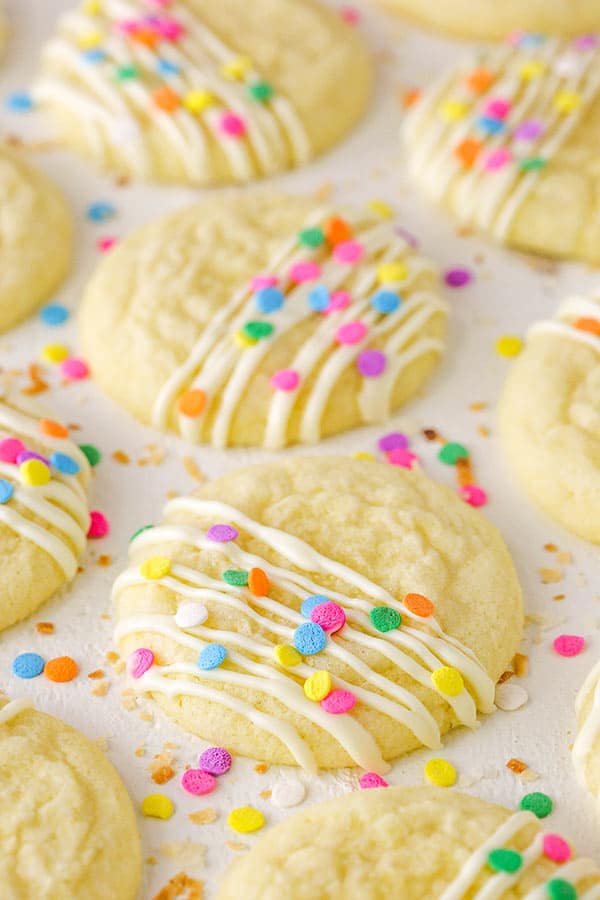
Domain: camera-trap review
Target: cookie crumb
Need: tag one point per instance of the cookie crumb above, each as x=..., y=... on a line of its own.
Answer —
x=181, y=887
x=521, y=664
x=193, y=469
x=45, y=628
x=516, y=765
x=101, y=688
x=203, y=816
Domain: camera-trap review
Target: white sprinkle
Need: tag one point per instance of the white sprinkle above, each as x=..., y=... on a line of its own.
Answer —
x=190, y=614
x=287, y=793
x=510, y=696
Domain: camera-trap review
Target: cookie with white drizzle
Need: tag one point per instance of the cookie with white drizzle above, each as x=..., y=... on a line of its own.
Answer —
x=549, y=415
x=586, y=749
x=412, y=843
x=202, y=92
x=320, y=612
x=44, y=516
x=263, y=319
x=506, y=142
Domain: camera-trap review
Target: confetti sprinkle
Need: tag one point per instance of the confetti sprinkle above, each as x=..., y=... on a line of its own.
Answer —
x=99, y=525
x=440, y=772
x=19, y=102
x=235, y=577
x=140, y=661
x=371, y=363
x=309, y=638
x=155, y=567
x=338, y=702
x=391, y=272
x=222, y=534
x=91, y=453
x=559, y=889
x=419, y=605
x=406, y=459
x=269, y=299
x=287, y=793
x=6, y=490
x=212, y=656
x=157, y=806
x=504, y=860
x=286, y=655
x=28, y=665
x=508, y=345
x=215, y=760
x=385, y=302
x=10, y=449
x=64, y=463
x=54, y=353
x=372, y=780
x=245, y=819
x=569, y=644
x=104, y=244
x=258, y=582
x=348, y=252
x=385, y=618
x=100, y=211
x=448, y=681
x=317, y=686
x=54, y=314
x=392, y=441
x=450, y=453
x=74, y=369
x=285, y=380
x=61, y=669
x=34, y=472
x=330, y=616
x=539, y=804
x=473, y=494
x=556, y=848
x=192, y=402
x=191, y=614
x=197, y=782
x=303, y=271
x=458, y=277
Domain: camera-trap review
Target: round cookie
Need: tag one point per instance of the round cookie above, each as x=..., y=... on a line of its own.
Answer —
x=263, y=319
x=68, y=827
x=44, y=515
x=199, y=91
x=413, y=843
x=549, y=416
x=35, y=238
x=506, y=142
x=586, y=749
x=491, y=19
x=326, y=571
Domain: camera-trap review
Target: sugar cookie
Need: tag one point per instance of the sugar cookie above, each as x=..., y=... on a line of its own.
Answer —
x=507, y=142
x=320, y=660
x=412, y=843
x=262, y=319
x=35, y=238
x=550, y=416
x=44, y=514
x=586, y=749
x=203, y=92
x=68, y=828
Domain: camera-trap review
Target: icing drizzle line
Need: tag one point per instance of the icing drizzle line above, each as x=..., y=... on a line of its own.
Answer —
x=568, y=322
x=12, y=709
x=589, y=730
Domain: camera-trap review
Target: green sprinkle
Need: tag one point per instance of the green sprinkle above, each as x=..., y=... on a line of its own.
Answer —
x=559, y=889
x=532, y=163
x=139, y=531
x=236, y=577
x=311, y=237
x=124, y=73
x=503, y=860
x=91, y=453
x=451, y=453
x=256, y=330
x=261, y=91
x=537, y=803
x=384, y=618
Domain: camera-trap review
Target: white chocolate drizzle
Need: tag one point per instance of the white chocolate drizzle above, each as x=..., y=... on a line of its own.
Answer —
x=589, y=730
x=12, y=709
x=567, y=314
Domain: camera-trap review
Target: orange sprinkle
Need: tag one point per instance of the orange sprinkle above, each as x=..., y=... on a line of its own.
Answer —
x=419, y=605
x=467, y=151
x=337, y=230
x=258, y=582
x=479, y=80
x=410, y=97
x=590, y=325
x=53, y=429
x=192, y=402
x=147, y=37
x=61, y=669
x=464, y=472
x=166, y=99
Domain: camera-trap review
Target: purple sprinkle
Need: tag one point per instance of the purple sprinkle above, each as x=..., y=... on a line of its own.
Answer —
x=29, y=454
x=393, y=441
x=410, y=239
x=529, y=130
x=371, y=363
x=215, y=760
x=586, y=42
x=458, y=277
x=222, y=533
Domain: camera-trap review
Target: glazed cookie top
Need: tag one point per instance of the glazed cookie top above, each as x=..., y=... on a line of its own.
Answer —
x=263, y=319
x=201, y=91
x=68, y=828
x=349, y=611
x=413, y=843
x=489, y=135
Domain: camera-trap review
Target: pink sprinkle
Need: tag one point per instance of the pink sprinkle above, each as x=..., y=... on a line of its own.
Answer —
x=351, y=333
x=232, y=125
x=350, y=14
x=401, y=456
x=197, y=782
x=372, y=780
x=99, y=525
x=330, y=616
x=498, y=108
x=338, y=300
x=127, y=26
x=140, y=661
x=497, y=159
x=569, y=644
x=285, y=380
x=371, y=363
x=74, y=369
x=215, y=760
x=262, y=281
x=106, y=243
x=167, y=28
x=473, y=494
x=10, y=448
x=556, y=848
x=222, y=533
x=348, y=251
x=304, y=270
x=338, y=702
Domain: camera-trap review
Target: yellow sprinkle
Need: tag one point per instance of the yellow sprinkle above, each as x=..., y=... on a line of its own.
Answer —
x=380, y=208
x=448, y=680
x=34, y=472
x=318, y=686
x=509, y=345
x=197, y=101
x=453, y=110
x=89, y=40
x=286, y=655
x=54, y=353
x=245, y=819
x=362, y=454
x=389, y=273
x=567, y=101
x=440, y=772
x=532, y=69
x=155, y=567
x=159, y=806
x=91, y=7
x=236, y=69
x=243, y=340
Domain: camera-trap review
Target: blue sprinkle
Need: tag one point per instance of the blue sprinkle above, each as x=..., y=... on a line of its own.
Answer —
x=20, y=101
x=164, y=67
x=318, y=299
x=212, y=656
x=54, y=314
x=490, y=125
x=269, y=299
x=309, y=638
x=94, y=55
x=101, y=211
x=6, y=490
x=532, y=40
x=309, y=604
x=28, y=665
x=63, y=463
x=385, y=301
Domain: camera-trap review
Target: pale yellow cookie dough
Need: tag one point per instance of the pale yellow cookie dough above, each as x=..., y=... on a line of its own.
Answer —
x=397, y=528
x=68, y=828
x=35, y=238
x=586, y=749
x=403, y=842
x=295, y=75
x=534, y=184
x=165, y=312
x=549, y=416
x=42, y=527
x=494, y=19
